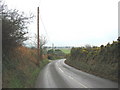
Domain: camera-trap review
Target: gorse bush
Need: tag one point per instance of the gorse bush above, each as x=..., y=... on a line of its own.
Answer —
x=101, y=61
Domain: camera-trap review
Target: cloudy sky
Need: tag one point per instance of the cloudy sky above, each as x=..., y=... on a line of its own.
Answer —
x=72, y=22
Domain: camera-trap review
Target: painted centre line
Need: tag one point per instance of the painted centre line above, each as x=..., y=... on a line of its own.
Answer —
x=71, y=77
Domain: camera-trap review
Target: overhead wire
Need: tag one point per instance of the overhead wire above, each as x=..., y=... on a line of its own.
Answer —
x=44, y=24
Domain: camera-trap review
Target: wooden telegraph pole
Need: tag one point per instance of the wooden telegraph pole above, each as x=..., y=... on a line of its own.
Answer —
x=38, y=39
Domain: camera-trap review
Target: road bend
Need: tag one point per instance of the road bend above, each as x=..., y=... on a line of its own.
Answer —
x=57, y=74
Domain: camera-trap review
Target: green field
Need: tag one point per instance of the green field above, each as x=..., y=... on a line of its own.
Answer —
x=66, y=50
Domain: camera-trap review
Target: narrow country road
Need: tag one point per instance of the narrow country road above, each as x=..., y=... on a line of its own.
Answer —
x=59, y=75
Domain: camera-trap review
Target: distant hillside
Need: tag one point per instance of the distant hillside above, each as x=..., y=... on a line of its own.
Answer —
x=58, y=47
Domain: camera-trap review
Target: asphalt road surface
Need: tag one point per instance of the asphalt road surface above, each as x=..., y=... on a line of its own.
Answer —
x=57, y=74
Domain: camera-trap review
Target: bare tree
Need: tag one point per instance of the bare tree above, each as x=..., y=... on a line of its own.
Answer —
x=42, y=42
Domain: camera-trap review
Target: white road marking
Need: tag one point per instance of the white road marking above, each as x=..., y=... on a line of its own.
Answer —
x=61, y=70
x=78, y=82
x=71, y=77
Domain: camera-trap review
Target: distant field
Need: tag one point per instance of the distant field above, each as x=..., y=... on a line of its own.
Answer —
x=66, y=50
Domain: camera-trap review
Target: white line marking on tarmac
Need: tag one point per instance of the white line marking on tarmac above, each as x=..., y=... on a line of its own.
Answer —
x=78, y=82
x=61, y=70
x=71, y=77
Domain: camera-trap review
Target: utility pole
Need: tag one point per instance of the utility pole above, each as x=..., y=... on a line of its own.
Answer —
x=38, y=41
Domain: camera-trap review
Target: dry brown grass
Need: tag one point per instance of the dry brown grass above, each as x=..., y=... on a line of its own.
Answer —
x=20, y=69
x=28, y=53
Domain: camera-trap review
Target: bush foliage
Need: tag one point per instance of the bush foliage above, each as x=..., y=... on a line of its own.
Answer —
x=19, y=69
x=101, y=61
x=55, y=54
x=14, y=28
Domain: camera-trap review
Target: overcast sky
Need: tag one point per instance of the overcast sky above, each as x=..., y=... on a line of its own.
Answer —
x=72, y=22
